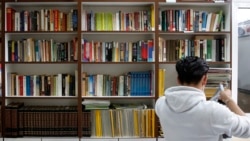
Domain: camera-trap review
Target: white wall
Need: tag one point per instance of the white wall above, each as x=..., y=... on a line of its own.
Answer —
x=235, y=5
x=243, y=62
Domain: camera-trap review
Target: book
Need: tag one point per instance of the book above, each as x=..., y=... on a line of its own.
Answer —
x=161, y=82
x=217, y=93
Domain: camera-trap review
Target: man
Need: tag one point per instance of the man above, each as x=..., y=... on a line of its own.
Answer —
x=186, y=115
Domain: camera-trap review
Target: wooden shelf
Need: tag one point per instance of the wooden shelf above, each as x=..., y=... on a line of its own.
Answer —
x=109, y=68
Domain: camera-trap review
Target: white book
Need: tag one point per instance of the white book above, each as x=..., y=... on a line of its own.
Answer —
x=99, y=85
x=213, y=50
x=205, y=48
x=42, y=20
x=24, y=86
x=200, y=20
x=35, y=85
x=84, y=20
x=46, y=20
x=227, y=50
x=17, y=21
x=191, y=19
x=130, y=50
x=209, y=16
x=26, y=20
x=180, y=19
x=103, y=52
x=215, y=22
x=121, y=86
x=59, y=84
x=67, y=79
x=117, y=21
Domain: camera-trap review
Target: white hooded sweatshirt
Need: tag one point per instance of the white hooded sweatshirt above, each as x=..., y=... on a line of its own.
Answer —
x=186, y=115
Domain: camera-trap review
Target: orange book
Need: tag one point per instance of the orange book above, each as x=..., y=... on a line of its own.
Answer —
x=56, y=18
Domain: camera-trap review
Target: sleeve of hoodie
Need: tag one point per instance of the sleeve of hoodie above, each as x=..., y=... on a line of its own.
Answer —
x=158, y=104
x=223, y=121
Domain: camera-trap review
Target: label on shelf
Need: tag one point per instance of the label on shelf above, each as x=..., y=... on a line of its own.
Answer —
x=170, y=1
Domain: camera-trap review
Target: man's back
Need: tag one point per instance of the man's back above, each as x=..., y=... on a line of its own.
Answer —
x=185, y=114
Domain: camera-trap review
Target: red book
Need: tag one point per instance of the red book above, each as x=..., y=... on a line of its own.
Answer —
x=56, y=19
x=144, y=49
x=20, y=78
x=188, y=20
x=10, y=15
x=137, y=21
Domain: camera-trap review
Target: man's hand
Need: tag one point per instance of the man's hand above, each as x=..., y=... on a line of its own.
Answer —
x=225, y=96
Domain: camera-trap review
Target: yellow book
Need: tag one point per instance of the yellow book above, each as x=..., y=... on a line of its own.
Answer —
x=136, y=126
x=98, y=123
x=152, y=17
x=109, y=21
x=210, y=91
x=112, y=122
x=153, y=122
x=148, y=123
x=161, y=81
x=143, y=123
x=99, y=21
x=119, y=123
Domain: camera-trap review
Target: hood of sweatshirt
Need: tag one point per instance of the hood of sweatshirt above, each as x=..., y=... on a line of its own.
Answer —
x=183, y=98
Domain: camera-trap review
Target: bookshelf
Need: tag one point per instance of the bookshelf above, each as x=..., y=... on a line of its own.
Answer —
x=100, y=42
x=1, y=62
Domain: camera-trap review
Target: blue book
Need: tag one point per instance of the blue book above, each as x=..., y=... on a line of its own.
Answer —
x=204, y=21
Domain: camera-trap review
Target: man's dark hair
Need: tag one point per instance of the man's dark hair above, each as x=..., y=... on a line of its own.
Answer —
x=190, y=69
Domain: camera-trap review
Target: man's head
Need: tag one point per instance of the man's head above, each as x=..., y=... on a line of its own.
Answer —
x=191, y=70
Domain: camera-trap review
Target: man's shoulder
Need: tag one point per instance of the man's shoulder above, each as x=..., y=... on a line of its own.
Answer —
x=218, y=110
x=160, y=100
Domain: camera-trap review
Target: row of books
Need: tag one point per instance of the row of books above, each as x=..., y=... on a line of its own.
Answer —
x=26, y=120
x=217, y=76
x=211, y=49
x=97, y=51
x=118, y=21
x=191, y=20
x=31, y=50
x=129, y=84
x=22, y=120
x=128, y=122
x=41, y=20
x=41, y=85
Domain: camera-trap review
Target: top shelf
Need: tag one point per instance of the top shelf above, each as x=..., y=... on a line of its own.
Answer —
x=118, y=1
x=197, y=1
x=40, y=1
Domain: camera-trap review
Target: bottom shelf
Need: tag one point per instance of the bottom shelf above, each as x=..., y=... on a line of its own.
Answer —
x=95, y=139
x=77, y=139
x=42, y=139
